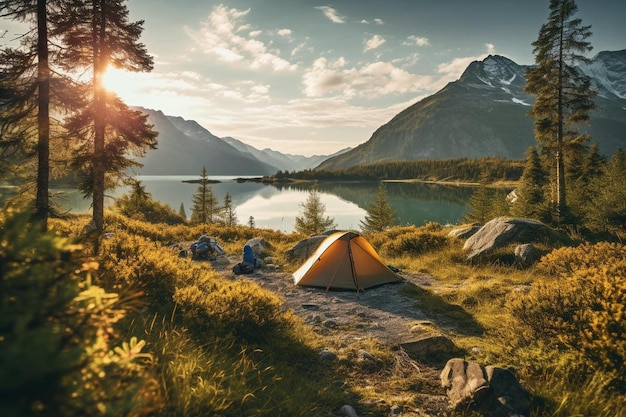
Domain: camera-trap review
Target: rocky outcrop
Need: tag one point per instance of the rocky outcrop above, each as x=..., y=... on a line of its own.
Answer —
x=464, y=232
x=488, y=390
x=502, y=231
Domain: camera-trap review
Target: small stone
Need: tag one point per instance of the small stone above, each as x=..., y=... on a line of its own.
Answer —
x=348, y=411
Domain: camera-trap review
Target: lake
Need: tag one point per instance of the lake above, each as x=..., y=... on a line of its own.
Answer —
x=276, y=206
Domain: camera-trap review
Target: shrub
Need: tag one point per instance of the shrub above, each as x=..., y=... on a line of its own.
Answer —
x=414, y=243
x=130, y=261
x=581, y=310
x=57, y=331
x=241, y=308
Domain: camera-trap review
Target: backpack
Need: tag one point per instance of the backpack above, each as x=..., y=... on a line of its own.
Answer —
x=242, y=268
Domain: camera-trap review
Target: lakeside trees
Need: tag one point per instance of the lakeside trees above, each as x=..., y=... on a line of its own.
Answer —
x=313, y=219
x=380, y=215
x=99, y=128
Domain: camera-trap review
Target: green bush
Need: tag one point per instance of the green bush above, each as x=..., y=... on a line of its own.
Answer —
x=134, y=262
x=414, y=243
x=57, y=331
x=581, y=310
x=240, y=307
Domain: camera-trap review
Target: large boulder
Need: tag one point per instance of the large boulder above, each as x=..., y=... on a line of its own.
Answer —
x=259, y=245
x=305, y=248
x=465, y=231
x=502, y=231
x=488, y=390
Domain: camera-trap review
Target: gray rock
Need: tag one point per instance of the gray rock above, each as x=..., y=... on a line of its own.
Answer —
x=527, y=253
x=258, y=245
x=348, y=411
x=491, y=391
x=429, y=346
x=464, y=232
x=327, y=355
x=502, y=231
x=395, y=410
x=305, y=248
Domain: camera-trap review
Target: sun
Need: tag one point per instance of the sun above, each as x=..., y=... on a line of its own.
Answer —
x=118, y=81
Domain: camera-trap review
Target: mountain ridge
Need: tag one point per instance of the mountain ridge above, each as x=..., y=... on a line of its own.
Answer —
x=485, y=113
x=185, y=147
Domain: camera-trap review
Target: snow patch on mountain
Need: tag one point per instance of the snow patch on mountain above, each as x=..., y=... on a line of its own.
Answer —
x=518, y=101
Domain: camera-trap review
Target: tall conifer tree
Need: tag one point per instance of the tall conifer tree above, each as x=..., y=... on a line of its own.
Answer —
x=98, y=34
x=564, y=97
x=20, y=70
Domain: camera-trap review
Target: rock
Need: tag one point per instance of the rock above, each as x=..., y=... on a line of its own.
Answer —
x=395, y=410
x=363, y=354
x=348, y=411
x=429, y=346
x=527, y=254
x=464, y=232
x=502, y=231
x=305, y=248
x=491, y=391
x=327, y=355
x=258, y=245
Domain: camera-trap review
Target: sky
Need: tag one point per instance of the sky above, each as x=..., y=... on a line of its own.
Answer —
x=312, y=77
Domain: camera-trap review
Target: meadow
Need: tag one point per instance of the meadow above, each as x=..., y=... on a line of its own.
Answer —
x=125, y=326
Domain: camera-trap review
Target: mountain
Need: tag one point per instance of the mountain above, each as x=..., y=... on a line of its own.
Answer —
x=184, y=147
x=485, y=113
x=283, y=162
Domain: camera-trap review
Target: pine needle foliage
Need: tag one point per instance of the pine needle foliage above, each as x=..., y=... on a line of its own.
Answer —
x=312, y=219
x=380, y=215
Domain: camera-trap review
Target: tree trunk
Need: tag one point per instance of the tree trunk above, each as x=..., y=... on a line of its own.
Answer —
x=43, y=116
x=99, y=166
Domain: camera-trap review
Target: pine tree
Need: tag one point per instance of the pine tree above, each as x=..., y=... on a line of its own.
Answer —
x=606, y=211
x=205, y=206
x=26, y=92
x=251, y=222
x=228, y=213
x=564, y=97
x=380, y=215
x=530, y=193
x=312, y=220
x=181, y=211
x=99, y=34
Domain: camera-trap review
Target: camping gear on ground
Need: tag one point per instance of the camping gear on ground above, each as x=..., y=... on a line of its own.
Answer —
x=248, y=263
x=205, y=248
x=344, y=260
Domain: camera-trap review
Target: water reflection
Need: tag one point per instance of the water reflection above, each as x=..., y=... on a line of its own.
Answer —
x=276, y=206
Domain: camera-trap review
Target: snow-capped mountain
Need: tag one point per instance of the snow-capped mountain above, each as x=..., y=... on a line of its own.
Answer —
x=608, y=70
x=485, y=113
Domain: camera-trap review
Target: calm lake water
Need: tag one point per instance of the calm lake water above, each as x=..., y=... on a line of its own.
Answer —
x=276, y=207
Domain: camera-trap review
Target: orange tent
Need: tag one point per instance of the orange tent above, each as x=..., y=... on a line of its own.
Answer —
x=344, y=260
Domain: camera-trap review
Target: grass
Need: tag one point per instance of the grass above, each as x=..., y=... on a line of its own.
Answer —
x=201, y=369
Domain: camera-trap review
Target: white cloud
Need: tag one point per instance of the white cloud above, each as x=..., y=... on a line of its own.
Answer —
x=375, y=21
x=284, y=32
x=331, y=14
x=373, y=43
x=417, y=40
x=219, y=37
x=370, y=81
